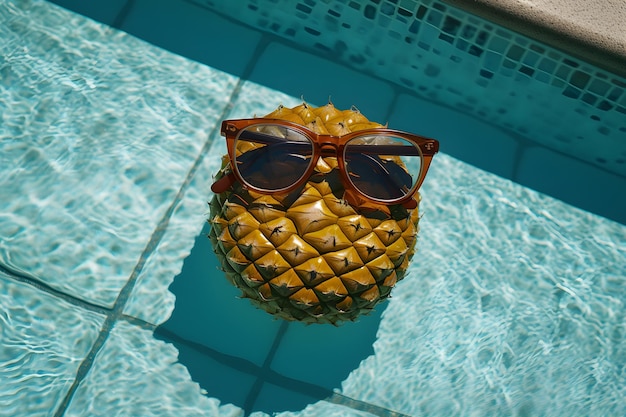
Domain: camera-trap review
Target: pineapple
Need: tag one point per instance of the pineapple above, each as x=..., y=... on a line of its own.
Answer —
x=309, y=255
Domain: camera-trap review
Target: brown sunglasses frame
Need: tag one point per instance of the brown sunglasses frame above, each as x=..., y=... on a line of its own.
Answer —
x=321, y=145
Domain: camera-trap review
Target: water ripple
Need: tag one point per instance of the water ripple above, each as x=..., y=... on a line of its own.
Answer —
x=98, y=131
x=515, y=304
x=43, y=341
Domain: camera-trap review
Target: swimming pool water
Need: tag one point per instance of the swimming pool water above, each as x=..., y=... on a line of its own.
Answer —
x=514, y=304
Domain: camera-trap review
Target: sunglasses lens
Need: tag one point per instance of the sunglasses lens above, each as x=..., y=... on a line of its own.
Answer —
x=272, y=157
x=380, y=166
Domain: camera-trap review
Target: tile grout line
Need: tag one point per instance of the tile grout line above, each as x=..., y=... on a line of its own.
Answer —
x=254, y=392
x=123, y=14
x=359, y=405
x=46, y=288
x=238, y=363
x=118, y=307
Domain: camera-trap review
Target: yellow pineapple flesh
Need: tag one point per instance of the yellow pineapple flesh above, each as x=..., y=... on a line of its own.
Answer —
x=309, y=255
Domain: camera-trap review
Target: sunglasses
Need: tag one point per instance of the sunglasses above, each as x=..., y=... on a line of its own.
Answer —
x=379, y=165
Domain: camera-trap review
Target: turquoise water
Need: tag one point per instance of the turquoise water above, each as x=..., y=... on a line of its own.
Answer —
x=111, y=303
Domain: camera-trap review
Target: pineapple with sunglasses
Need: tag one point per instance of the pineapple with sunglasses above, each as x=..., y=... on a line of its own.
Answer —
x=315, y=211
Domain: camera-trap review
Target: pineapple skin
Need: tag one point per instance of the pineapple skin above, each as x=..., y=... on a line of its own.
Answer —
x=308, y=255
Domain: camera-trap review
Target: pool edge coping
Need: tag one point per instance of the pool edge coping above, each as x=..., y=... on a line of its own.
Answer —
x=602, y=48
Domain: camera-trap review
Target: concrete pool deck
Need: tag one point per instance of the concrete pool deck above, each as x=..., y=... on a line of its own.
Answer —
x=592, y=30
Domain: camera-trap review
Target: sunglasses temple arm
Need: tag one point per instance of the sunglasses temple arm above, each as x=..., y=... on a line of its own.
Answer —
x=425, y=166
x=223, y=183
x=412, y=203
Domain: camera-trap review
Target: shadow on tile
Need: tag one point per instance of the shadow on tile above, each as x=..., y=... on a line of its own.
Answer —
x=241, y=355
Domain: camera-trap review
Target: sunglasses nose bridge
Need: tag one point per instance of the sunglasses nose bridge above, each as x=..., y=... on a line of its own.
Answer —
x=328, y=148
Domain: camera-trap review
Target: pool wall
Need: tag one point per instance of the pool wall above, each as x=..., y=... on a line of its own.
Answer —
x=558, y=123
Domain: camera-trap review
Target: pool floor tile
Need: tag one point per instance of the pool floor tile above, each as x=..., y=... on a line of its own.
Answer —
x=275, y=400
x=325, y=355
x=319, y=408
x=94, y=146
x=43, y=341
x=105, y=12
x=151, y=300
x=316, y=80
x=137, y=375
x=208, y=37
x=208, y=310
x=461, y=136
x=586, y=185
